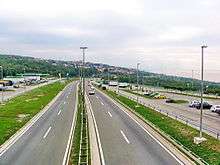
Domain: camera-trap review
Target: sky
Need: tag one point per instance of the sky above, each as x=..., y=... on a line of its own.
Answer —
x=165, y=36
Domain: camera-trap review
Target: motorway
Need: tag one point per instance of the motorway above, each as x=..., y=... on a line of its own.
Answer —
x=123, y=140
x=211, y=120
x=46, y=141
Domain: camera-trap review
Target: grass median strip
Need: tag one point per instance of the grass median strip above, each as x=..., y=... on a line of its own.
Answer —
x=19, y=110
x=80, y=151
x=184, y=134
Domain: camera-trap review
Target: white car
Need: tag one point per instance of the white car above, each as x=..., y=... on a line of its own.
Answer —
x=194, y=103
x=91, y=92
x=215, y=108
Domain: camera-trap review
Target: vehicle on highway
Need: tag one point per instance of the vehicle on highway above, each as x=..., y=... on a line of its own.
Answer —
x=215, y=108
x=206, y=105
x=91, y=92
x=194, y=103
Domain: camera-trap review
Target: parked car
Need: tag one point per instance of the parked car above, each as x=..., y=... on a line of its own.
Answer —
x=170, y=101
x=194, y=103
x=215, y=108
x=148, y=93
x=160, y=97
x=206, y=105
x=91, y=92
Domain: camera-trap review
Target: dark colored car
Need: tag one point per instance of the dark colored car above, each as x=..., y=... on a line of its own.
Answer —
x=170, y=101
x=206, y=105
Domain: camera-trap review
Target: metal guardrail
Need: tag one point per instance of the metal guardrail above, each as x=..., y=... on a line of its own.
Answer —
x=211, y=131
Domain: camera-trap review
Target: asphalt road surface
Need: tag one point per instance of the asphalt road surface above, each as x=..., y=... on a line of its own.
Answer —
x=46, y=141
x=211, y=120
x=123, y=141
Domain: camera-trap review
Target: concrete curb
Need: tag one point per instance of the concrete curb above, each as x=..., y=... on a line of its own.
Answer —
x=8, y=143
x=97, y=157
x=171, y=145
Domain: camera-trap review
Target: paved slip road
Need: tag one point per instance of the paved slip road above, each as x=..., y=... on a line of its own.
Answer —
x=123, y=141
x=210, y=120
x=45, y=142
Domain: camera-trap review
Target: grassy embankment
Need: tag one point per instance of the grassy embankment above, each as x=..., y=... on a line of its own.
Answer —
x=19, y=110
x=182, y=133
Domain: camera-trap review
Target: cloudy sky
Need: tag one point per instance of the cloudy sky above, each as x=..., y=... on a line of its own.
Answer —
x=164, y=35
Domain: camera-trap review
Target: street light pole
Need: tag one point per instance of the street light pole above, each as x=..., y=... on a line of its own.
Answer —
x=137, y=83
x=83, y=74
x=2, y=84
x=202, y=86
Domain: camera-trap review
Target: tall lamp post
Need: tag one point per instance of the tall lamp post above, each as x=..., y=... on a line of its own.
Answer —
x=202, y=86
x=2, y=85
x=83, y=73
x=137, y=82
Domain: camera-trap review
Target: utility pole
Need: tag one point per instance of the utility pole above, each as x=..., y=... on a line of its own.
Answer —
x=137, y=83
x=24, y=80
x=192, y=77
x=2, y=84
x=83, y=74
x=202, y=86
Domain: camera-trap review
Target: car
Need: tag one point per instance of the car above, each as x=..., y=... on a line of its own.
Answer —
x=91, y=92
x=170, y=101
x=206, y=105
x=194, y=103
x=160, y=97
x=148, y=93
x=215, y=108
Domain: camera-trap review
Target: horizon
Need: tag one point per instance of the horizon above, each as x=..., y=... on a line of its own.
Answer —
x=196, y=72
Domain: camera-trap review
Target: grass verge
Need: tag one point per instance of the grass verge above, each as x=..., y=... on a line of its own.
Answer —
x=74, y=157
x=80, y=129
x=19, y=110
x=182, y=133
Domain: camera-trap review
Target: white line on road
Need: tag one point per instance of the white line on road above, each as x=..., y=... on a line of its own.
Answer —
x=97, y=133
x=110, y=114
x=69, y=143
x=174, y=156
x=48, y=130
x=126, y=139
x=102, y=103
x=96, y=97
x=64, y=102
x=59, y=112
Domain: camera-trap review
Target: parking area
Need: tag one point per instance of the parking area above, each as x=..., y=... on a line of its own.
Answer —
x=12, y=92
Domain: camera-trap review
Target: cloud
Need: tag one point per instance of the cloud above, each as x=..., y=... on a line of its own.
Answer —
x=163, y=35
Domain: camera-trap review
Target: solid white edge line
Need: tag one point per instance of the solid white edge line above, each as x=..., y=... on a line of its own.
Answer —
x=97, y=133
x=28, y=125
x=102, y=103
x=174, y=156
x=59, y=112
x=110, y=114
x=125, y=137
x=69, y=143
x=47, y=132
